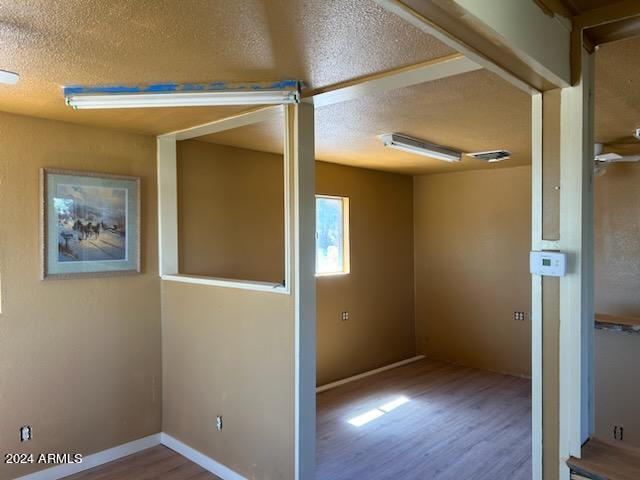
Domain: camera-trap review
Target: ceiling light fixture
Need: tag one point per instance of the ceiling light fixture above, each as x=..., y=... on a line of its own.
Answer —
x=182, y=95
x=491, y=156
x=9, y=78
x=420, y=147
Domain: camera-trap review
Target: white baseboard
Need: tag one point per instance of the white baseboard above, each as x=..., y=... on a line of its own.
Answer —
x=115, y=453
x=200, y=458
x=95, y=459
x=331, y=385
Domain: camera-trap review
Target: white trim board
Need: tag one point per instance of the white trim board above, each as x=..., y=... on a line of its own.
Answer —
x=100, y=458
x=95, y=459
x=199, y=458
x=338, y=383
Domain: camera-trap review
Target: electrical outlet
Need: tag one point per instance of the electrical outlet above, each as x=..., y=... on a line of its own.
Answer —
x=219, y=423
x=345, y=316
x=618, y=432
x=518, y=316
x=26, y=433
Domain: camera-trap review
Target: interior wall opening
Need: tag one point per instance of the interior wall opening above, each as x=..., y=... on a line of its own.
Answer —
x=430, y=331
x=617, y=250
x=232, y=203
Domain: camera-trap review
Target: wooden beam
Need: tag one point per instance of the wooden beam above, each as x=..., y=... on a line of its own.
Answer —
x=603, y=15
x=248, y=117
x=430, y=70
x=559, y=7
x=438, y=24
x=597, y=17
x=613, y=32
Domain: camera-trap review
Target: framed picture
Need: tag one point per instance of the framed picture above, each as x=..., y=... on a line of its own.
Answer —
x=90, y=224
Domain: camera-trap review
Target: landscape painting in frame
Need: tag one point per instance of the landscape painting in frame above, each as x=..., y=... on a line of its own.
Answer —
x=90, y=224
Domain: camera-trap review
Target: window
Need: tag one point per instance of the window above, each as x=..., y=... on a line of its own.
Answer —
x=332, y=235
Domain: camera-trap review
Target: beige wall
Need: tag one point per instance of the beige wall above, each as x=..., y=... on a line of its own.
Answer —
x=79, y=359
x=231, y=212
x=617, y=289
x=472, y=238
x=227, y=351
x=378, y=293
x=230, y=352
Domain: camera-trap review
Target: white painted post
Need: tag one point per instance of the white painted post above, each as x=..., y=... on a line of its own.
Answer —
x=536, y=287
x=576, y=289
x=167, y=205
x=300, y=127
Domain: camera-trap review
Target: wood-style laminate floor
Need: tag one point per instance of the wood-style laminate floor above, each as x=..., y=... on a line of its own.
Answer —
x=602, y=460
x=458, y=424
x=152, y=464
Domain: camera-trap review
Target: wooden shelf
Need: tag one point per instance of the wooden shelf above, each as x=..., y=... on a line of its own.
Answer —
x=617, y=323
x=603, y=461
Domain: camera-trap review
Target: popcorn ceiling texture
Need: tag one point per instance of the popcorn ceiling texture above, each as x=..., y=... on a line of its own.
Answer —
x=90, y=42
x=319, y=42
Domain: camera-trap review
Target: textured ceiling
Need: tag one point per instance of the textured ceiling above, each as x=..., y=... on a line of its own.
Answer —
x=617, y=95
x=321, y=42
x=471, y=112
x=475, y=111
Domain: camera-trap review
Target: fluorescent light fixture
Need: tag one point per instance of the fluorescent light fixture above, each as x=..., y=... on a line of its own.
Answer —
x=182, y=95
x=9, y=78
x=419, y=147
x=377, y=412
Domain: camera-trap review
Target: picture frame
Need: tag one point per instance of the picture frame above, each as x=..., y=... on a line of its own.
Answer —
x=89, y=224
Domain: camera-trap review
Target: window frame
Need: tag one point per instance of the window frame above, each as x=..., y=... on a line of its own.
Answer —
x=346, y=236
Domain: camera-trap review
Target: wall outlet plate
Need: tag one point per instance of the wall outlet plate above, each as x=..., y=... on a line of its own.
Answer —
x=345, y=316
x=618, y=432
x=219, y=423
x=518, y=316
x=26, y=433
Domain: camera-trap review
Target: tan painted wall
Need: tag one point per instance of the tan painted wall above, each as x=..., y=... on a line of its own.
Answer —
x=230, y=352
x=472, y=238
x=231, y=212
x=617, y=290
x=378, y=293
x=79, y=359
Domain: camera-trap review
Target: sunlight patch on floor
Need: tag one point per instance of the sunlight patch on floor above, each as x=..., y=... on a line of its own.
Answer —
x=377, y=412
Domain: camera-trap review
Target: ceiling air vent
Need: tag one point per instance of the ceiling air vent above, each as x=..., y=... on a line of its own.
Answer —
x=491, y=155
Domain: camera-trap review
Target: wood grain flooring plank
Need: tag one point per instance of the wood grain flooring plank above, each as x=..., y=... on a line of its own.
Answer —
x=458, y=423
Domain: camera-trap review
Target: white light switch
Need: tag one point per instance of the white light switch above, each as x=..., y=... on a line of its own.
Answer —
x=551, y=264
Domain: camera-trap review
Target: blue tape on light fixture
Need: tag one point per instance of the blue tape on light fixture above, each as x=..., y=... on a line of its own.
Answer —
x=283, y=85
